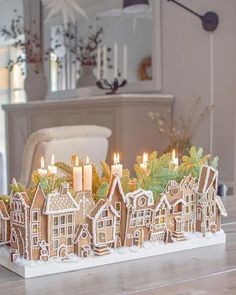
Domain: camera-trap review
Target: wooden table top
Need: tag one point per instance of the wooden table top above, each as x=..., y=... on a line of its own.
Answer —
x=210, y=270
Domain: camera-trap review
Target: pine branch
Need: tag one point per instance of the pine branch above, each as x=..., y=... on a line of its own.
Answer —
x=65, y=168
x=102, y=191
x=106, y=171
x=214, y=163
x=96, y=179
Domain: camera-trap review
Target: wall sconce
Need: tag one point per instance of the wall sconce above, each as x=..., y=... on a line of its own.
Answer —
x=210, y=20
x=135, y=6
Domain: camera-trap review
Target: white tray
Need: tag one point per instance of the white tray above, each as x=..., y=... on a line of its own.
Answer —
x=30, y=269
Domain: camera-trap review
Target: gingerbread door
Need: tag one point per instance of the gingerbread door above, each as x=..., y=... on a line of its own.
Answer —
x=63, y=252
x=85, y=252
x=102, y=237
x=138, y=238
x=179, y=224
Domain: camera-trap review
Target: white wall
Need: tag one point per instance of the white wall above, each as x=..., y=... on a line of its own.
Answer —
x=7, y=10
x=186, y=70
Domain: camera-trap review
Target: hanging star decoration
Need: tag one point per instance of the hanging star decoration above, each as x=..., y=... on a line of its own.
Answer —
x=67, y=8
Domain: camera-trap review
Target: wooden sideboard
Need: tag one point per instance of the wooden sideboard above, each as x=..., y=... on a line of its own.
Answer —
x=133, y=132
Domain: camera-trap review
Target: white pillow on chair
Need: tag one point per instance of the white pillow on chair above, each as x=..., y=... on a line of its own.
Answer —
x=63, y=142
x=93, y=147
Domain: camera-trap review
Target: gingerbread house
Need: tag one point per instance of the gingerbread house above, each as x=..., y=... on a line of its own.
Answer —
x=45, y=227
x=177, y=216
x=102, y=225
x=186, y=190
x=20, y=226
x=209, y=206
x=118, y=200
x=139, y=217
x=38, y=224
x=159, y=228
x=4, y=224
x=60, y=209
x=189, y=188
x=82, y=241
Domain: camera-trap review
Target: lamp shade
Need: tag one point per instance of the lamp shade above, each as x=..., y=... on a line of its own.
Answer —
x=135, y=6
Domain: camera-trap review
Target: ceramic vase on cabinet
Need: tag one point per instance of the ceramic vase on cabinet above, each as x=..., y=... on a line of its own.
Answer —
x=36, y=86
x=87, y=77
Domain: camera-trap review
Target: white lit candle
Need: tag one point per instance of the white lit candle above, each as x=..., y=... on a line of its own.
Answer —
x=145, y=161
x=104, y=62
x=175, y=161
x=42, y=171
x=115, y=60
x=125, y=74
x=77, y=176
x=99, y=63
x=88, y=176
x=52, y=169
x=117, y=168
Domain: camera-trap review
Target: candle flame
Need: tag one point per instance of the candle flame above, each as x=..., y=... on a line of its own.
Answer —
x=77, y=161
x=116, y=158
x=145, y=158
x=87, y=160
x=53, y=160
x=42, y=162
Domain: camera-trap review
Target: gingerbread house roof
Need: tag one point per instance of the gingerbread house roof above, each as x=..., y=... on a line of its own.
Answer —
x=82, y=228
x=38, y=189
x=23, y=197
x=133, y=196
x=170, y=185
x=174, y=190
x=85, y=195
x=161, y=201
x=221, y=206
x=3, y=211
x=207, y=177
x=115, y=182
x=100, y=206
x=176, y=201
x=57, y=202
x=188, y=182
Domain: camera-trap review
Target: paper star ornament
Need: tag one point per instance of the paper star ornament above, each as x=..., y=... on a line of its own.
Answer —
x=67, y=8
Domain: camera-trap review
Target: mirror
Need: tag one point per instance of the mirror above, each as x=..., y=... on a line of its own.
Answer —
x=73, y=50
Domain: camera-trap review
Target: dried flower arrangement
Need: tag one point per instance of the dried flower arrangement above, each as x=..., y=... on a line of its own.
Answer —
x=184, y=128
x=82, y=49
x=28, y=43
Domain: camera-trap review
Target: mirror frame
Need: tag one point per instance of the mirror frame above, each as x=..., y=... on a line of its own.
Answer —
x=154, y=85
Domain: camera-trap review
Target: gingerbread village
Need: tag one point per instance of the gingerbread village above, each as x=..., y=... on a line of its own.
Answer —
x=73, y=218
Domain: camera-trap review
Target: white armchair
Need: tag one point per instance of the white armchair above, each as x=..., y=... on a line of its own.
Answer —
x=83, y=140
